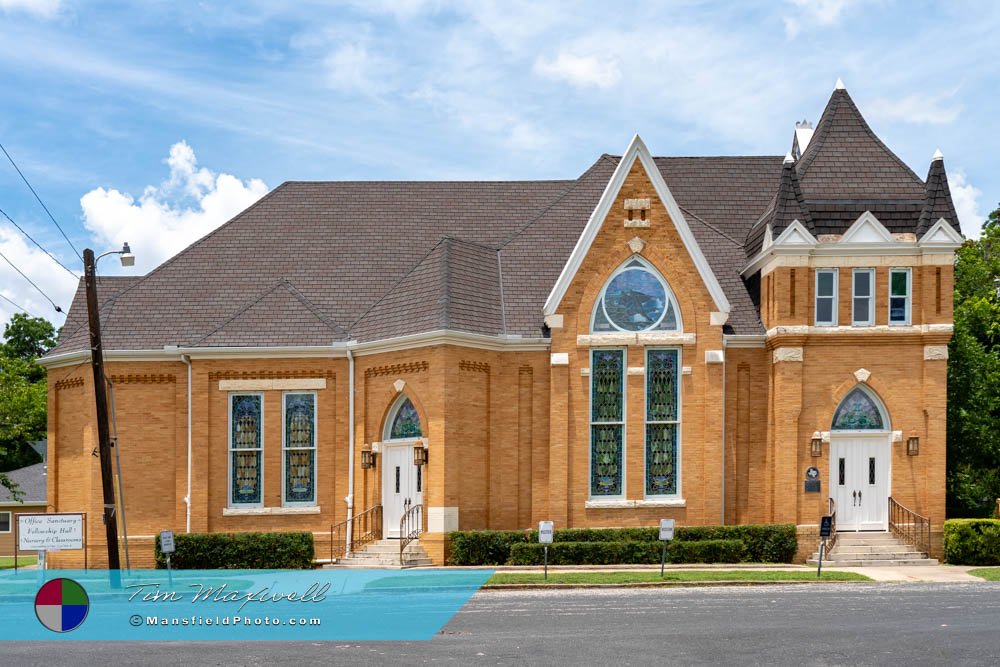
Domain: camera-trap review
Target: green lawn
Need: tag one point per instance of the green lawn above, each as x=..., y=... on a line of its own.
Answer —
x=7, y=562
x=987, y=573
x=682, y=575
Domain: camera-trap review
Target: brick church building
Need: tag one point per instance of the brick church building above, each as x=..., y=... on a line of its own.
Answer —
x=676, y=337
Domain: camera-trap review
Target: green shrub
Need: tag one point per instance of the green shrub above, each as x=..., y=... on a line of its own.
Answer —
x=762, y=543
x=620, y=553
x=972, y=541
x=232, y=551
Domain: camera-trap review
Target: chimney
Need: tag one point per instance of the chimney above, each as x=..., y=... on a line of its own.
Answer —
x=800, y=141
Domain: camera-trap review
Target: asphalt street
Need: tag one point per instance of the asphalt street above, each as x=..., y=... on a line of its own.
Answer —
x=880, y=624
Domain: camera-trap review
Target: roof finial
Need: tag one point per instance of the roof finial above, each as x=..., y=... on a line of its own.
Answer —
x=840, y=84
x=938, y=155
x=788, y=158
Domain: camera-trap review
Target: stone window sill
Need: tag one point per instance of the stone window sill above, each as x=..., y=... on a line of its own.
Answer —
x=266, y=511
x=632, y=504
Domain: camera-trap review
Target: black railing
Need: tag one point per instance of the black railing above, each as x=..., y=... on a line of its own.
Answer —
x=910, y=527
x=410, y=526
x=831, y=541
x=366, y=529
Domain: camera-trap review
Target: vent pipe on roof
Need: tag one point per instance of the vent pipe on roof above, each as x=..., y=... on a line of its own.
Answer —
x=800, y=140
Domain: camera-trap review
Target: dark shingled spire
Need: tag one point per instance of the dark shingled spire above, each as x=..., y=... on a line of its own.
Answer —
x=939, y=204
x=845, y=160
x=787, y=206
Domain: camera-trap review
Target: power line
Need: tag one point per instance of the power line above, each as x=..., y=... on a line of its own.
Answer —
x=40, y=201
x=58, y=309
x=21, y=229
x=21, y=308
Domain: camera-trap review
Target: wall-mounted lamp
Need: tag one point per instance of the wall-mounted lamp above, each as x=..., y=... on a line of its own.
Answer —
x=912, y=444
x=419, y=456
x=816, y=444
x=367, y=457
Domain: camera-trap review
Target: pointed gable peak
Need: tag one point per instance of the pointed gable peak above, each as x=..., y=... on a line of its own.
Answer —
x=840, y=84
x=788, y=158
x=938, y=155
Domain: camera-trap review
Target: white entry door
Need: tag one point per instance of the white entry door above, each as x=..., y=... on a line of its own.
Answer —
x=402, y=485
x=859, y=478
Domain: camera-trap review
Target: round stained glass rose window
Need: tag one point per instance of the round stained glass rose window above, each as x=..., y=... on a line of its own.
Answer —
x=635, y=300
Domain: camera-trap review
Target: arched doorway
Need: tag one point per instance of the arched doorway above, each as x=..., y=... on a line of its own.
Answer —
x=860, y=473
x=402, y=481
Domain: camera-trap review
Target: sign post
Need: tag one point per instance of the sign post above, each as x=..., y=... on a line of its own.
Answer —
x=825, y=527
x=166, y=548
x=666, y=534
x=545, y=539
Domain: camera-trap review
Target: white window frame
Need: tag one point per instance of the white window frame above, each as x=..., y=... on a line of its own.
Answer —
x=677, y=423
x=870, y=321
x=671, y=300
x=622, y=424
x=908, y=297
x=834, y=298
x=231, y=450
x=10, y=522
x=285, y=448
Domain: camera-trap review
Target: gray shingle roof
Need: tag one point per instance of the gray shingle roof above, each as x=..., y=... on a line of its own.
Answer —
x=30, y=481
x=315, y=263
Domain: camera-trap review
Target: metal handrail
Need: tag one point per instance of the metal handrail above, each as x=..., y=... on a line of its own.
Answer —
x=410, y=526
x=832, y=540
x=912, y=528
x=367, y=528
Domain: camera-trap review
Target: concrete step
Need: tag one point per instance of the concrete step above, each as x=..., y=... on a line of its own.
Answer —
x=898, y=555
x=873, y=563
x=871, y=548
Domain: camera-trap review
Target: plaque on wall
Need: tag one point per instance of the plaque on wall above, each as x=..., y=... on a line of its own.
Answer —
x=812, y=485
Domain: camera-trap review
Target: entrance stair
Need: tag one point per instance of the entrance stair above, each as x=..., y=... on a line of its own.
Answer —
x=384, y=554
x=871, y=549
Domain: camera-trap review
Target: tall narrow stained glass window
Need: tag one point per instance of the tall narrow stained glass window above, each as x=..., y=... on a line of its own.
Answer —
x=300, y=448
x=858, y=412
x=245, y=434
x=607, y=410
x=406, y=422
x=662, y=419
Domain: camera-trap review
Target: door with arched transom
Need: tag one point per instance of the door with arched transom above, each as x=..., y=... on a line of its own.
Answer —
x=402, y=481
x=860, y=461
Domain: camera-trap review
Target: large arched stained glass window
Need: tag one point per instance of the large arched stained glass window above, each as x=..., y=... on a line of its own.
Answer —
x=859, y=411
x=404, y=422
x=635, y=298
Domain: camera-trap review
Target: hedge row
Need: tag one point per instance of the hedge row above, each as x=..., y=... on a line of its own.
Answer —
x=616, y=553
x=239, y=551
x=972, y=541
x=762, y=543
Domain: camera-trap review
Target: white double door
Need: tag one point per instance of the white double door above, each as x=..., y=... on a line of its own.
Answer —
x=859, y=479
x=402, y=485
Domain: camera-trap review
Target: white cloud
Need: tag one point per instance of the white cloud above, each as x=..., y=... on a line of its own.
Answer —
x=45, y=9
x=966, y=197
x=39, y=267
x=168, y=217
x=352, y=68
x=815, y=12
x=915, y=108
x=580, y=71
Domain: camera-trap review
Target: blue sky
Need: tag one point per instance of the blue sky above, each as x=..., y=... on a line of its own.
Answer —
x=155, y=124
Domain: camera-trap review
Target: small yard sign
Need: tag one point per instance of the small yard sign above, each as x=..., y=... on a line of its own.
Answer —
x=167, y=541
x=545, y=532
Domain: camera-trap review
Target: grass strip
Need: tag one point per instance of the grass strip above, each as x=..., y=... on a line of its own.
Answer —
x=987, y=573
x=685, y=575
x=8, y=561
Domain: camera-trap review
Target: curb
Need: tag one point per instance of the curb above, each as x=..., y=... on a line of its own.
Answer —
x=664, y=584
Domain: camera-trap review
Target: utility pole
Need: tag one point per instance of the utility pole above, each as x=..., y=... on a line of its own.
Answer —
x=101, y=397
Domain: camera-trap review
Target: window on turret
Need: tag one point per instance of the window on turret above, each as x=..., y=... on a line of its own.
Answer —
x=863, y=300
x=899, y=296
x=826, y=297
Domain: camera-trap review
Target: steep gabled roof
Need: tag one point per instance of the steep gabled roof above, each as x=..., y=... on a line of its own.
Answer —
x=939, y=203
x=788, y=205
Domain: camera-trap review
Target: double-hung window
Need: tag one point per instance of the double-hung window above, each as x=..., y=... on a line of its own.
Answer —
x=899, y=296
x=5, y=522
x=299, y=445
x=662, y=422
x=863, y=298
x=246, y=429
x=607, y=419
x=826, y=297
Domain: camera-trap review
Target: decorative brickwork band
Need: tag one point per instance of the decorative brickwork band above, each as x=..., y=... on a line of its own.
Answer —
x=70, y=383
x=397, y=369
x=147, y=378
x=270, y=375
x=474, y=366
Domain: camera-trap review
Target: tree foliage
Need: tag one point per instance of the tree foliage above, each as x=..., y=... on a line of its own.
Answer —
x=974, y=378
x=23, y=393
